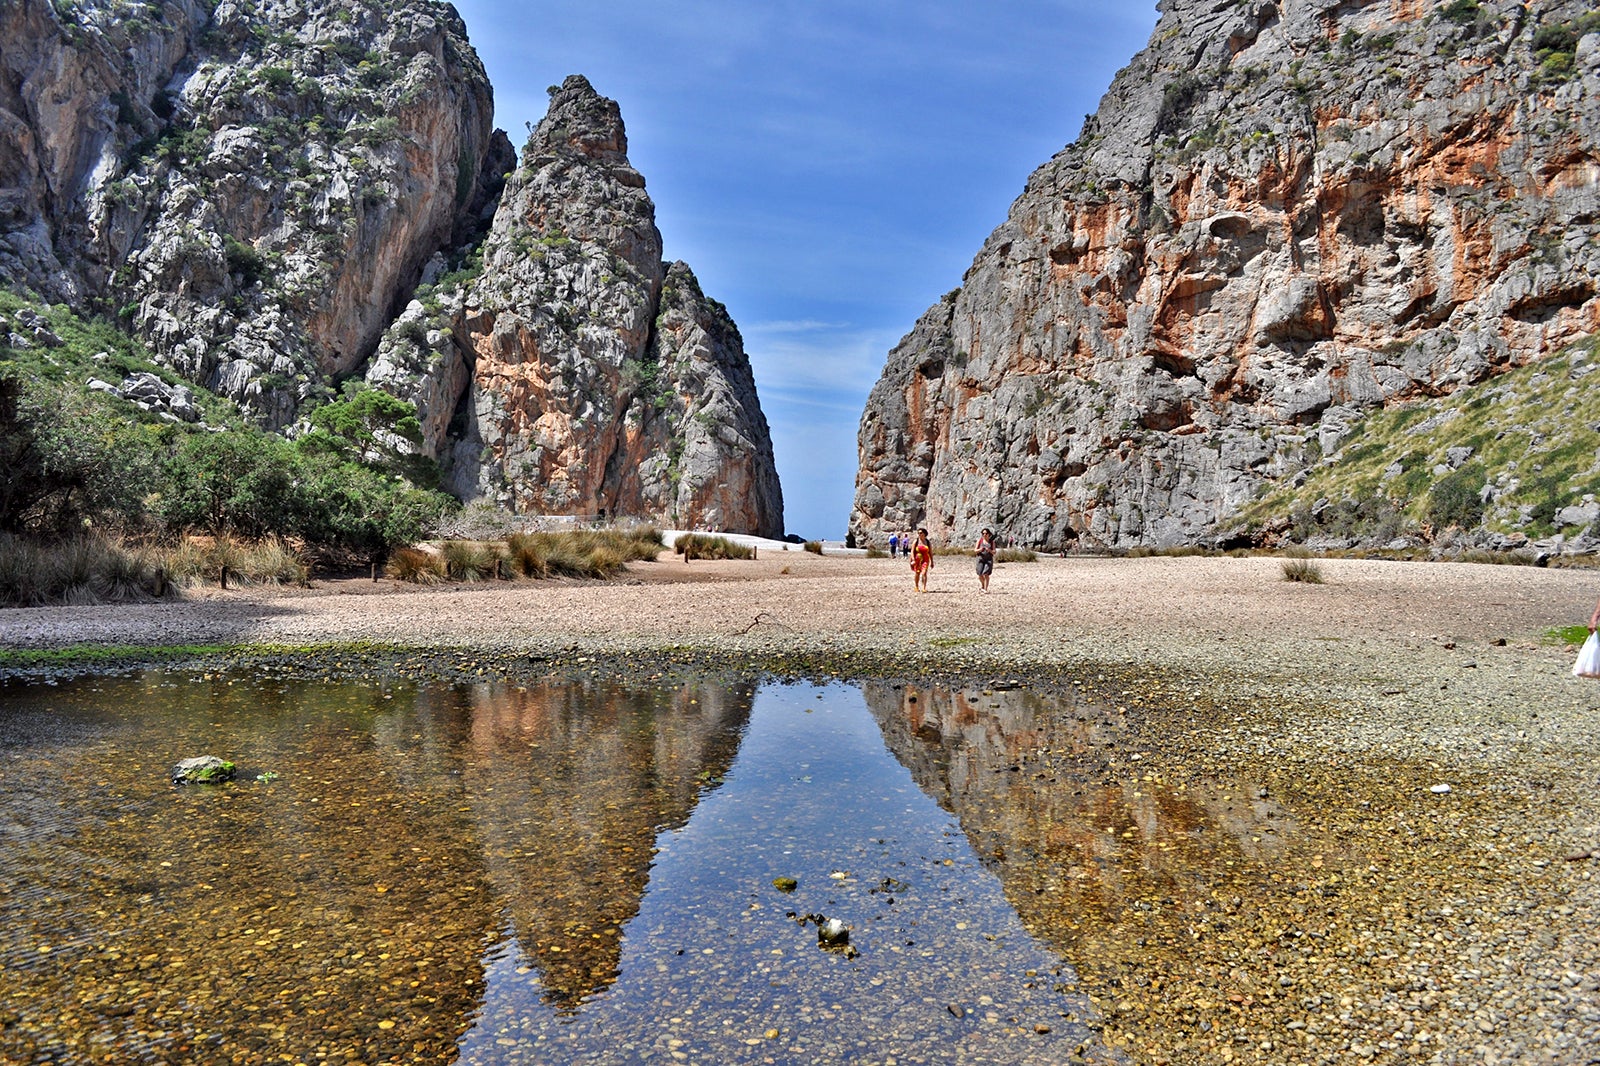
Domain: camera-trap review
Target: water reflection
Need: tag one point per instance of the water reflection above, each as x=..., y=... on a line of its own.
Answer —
x=1092, y=846
x=498, y=874
x=336, y=909
x=715, y=968
x=346, y=907
x=569, y=786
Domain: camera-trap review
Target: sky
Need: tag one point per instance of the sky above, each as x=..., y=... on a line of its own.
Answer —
x=828, y=169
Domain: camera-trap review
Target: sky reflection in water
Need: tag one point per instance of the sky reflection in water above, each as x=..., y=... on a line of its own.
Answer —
x=713, y=962
x=467, y=874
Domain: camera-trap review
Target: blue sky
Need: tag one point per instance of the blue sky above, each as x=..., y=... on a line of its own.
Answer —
x=828, y=169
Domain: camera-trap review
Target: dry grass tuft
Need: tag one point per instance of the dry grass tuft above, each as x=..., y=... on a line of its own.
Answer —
x=1298, y=566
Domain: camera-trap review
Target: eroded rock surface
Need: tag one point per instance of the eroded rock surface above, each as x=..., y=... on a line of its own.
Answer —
x=279, y=195
x=1282, y=216
x=251, y=189
x=578, y=373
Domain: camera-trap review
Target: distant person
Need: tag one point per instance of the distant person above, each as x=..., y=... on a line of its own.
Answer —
x=921, y=561
x=894, y=544
x=985, y=564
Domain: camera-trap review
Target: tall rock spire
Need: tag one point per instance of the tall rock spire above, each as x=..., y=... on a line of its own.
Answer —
x=589, y=376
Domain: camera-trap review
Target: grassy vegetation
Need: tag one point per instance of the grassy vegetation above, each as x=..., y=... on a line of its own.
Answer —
x=75, y=460
x=704, y=546
x=87, y=655
x=1298, y=567
x=1567, y=635
x=813, y=546
x=1555, y=46
x=93, y=568
x=83, y=570
x=581, y=553
x=1527, y=433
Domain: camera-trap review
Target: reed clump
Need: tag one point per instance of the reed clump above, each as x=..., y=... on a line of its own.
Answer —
x=600, y=553
x=1298, y=566
x=199, y=560
x=416, y=565
x=705, y=546
x=94, y=568
x=82, y=571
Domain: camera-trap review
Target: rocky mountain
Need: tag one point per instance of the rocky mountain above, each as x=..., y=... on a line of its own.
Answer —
x=253, y=186
x=574, y=371
x=1284, y=215
x=255, y=190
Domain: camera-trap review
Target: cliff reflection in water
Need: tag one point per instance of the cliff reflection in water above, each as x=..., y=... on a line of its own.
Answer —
x=345, y=906
x=1053, y=794
x=568, y=787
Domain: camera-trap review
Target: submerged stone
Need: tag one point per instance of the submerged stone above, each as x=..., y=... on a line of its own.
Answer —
x=202, y=770
x=831, y=932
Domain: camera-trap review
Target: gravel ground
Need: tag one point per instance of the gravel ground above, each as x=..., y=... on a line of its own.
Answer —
x=1460, y=927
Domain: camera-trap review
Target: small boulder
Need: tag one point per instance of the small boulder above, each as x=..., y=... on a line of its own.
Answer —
x=202, y=770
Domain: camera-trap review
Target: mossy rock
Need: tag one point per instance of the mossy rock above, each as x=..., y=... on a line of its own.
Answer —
x=202, y=770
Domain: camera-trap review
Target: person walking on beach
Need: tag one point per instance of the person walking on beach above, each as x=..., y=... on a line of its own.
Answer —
x=894, y=544
x=985, y=553
x=921, y=561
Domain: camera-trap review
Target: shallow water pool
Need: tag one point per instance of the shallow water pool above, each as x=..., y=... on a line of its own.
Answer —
x=546, y=872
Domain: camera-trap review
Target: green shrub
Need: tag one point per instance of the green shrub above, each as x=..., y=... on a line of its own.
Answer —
x=814, y=547
x=65, y=465
x=1015, y=555
x=1454, y=499
x=225, y=484
x=245, y=260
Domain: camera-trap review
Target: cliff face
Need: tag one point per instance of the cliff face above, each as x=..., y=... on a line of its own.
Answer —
x=255, y=188
x=1282, y=215
x=578, y=373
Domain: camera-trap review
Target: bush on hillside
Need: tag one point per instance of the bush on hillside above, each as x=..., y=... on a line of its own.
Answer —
x=65, y=466
x=1455, y=500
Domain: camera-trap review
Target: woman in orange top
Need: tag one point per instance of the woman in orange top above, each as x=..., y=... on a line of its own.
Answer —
x=921, y=561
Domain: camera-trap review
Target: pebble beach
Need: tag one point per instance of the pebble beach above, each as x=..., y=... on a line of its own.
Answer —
x=1411, y=730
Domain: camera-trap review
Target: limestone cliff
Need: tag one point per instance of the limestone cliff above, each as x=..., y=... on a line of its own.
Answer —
x=1283, y=215
x=252, y=187
x=574, y=372
x=271, y=195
